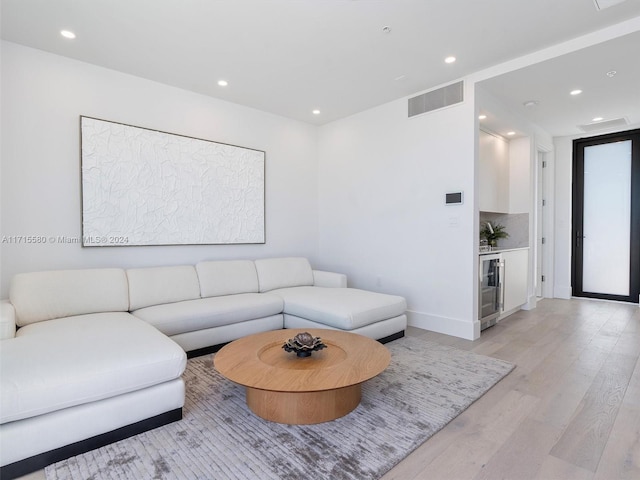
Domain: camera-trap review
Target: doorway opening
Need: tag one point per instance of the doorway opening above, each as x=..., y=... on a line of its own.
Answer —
x=606, y=217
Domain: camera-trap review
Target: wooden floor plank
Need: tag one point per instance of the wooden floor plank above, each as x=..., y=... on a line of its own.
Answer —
x=621, y=457
x=556, y=469
x=586, y=436
x=485, y=435
x=559, y=404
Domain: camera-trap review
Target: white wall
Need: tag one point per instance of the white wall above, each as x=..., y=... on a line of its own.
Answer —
x=383, y=220
x=43, y=96
x=563, y=147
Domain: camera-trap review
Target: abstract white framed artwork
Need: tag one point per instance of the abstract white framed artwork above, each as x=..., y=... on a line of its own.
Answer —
x=147, y=187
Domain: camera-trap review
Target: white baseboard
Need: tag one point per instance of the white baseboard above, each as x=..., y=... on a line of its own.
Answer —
x=449, y=326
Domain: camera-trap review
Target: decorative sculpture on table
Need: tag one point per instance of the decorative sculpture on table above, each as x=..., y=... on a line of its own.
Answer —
x=304, y=344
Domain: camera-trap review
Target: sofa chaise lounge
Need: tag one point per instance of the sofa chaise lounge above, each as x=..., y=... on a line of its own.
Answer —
x=89, y=357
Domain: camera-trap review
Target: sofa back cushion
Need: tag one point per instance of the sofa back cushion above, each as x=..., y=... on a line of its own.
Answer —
x=41, y=296
x=159, y=285
x=230, y=277
x=283, y=273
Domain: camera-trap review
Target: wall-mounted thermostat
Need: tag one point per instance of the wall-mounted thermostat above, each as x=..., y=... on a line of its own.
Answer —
x=454, y=198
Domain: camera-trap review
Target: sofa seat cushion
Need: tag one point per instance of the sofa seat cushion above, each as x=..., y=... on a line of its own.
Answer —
x=192, y=315
x=70, y=361
x=343, y=308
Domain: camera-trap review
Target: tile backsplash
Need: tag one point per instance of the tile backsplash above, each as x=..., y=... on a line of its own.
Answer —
x=516, y=225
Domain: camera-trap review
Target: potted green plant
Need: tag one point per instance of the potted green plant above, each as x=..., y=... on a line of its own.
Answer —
x=493, y=232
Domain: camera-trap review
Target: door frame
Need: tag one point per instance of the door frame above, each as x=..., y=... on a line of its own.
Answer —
x=577, y=222
x=543, y=222
x=539, y=266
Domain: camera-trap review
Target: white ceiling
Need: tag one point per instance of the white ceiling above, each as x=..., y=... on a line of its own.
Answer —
x=549, y=83
x=289, y=57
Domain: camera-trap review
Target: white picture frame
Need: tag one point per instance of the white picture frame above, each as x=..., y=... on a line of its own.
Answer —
x=143, y=187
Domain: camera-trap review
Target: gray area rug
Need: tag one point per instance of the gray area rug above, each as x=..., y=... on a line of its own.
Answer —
x=424, y=388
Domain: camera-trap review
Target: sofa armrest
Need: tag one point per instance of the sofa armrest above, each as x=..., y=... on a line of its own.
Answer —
x=329, y=279
x=7, y=320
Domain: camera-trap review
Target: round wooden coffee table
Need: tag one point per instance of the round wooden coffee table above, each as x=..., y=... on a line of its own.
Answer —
x=284, y=388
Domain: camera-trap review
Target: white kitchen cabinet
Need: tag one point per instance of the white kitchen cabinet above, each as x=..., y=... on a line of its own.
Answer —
x=519, y=175
x=516, y=274
x=503, y=174
x=493, y=173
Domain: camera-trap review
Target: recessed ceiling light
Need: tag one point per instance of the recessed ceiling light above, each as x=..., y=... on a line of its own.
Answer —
x=511, y=133
x=611, y=73
x=67, y=34
x=482, y=117
x=575, y=92
x=450, y=59
x=223, y=83
x=316, y=112
x=597, y=119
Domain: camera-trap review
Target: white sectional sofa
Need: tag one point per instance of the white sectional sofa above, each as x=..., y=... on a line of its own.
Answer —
x=92, y=356
x=80, y=371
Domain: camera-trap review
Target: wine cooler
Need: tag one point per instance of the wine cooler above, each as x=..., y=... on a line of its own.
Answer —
x=491, y=290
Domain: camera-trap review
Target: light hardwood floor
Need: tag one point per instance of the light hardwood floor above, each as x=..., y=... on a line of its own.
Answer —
x=570, y=409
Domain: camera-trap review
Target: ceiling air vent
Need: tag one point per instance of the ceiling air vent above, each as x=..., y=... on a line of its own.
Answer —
x=595, y=126
x=602, y=4
x=435, y=99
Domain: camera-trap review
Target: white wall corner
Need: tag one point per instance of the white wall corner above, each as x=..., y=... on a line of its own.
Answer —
x=469, y=330
x=531, y=303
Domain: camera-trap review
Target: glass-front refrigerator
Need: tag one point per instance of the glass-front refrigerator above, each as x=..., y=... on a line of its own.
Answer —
x=490, y=291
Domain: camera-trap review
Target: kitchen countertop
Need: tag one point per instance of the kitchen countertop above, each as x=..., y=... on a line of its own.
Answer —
x=500, y=250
